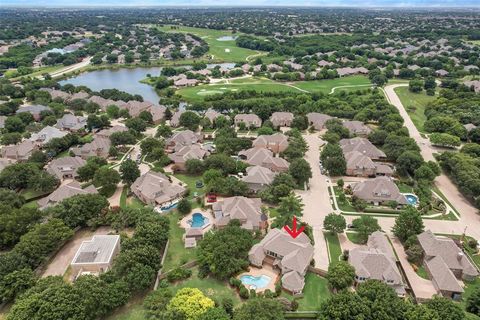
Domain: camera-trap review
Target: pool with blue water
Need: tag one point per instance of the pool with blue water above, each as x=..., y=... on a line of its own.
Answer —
x=259, y=282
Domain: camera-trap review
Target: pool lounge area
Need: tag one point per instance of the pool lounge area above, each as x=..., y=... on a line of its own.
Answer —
x=260, y=279
x=411, y=199
x=198, y=219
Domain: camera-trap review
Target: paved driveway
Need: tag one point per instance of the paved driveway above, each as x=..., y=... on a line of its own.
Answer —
x=316, y=201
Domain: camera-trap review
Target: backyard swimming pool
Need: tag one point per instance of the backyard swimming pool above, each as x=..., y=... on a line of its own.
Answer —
x=411, y=199
x=198, y=220
x=259, y=282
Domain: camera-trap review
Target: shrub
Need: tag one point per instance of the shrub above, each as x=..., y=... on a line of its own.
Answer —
x=178, y=274
x=244, y=294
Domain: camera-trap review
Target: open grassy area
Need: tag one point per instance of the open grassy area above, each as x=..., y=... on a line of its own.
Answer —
x=469, y=288
x=225, y=50
x=415, y=104
x=351, y=83
x=422, y=272
x=334, y=249
x=354, y=237
x=315, y=292
x=190, y=181
x=177, y=254
x=343, y=205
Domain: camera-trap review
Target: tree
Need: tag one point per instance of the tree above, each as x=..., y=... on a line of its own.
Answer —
x=261, y=309
x=136, y=124
x=190, y=302
x=408, y=162
x=87, y=172
x=16, y=283
x=190, y=120
x=215, y=314
x=407, y=224
x=300, y=122
x=225, y=252
x=365, y=226
x=473, y=302
x=335, y=223
x=444, y=140
x=78, y=210
x=194, y=166
x=333, y=159
x=381, y=299
x=420, y=312
x=18, y=175
x=221, y=162
x=11, y=138
x=164, y=131
x=43, y=182
x=106, y=180
x=289, y=207
x=122, y=138
x=345, y=306
x=414, y=253
x=113, y=111
x=396, y=145
x=415, y=86
x=300, y=170
x=184, y=206
x=11, y=198
x=156, y=303
x=129, y=171
x=445, y=308
x=15, y=222
x=340, y=275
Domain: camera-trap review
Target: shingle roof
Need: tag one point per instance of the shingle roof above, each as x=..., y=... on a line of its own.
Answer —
x=318, y=120
x=264, y=157
x=98, y=250
x=363, y=146
x=58, y=167
x=380, y=189
x=259, y=175
x=442, y=275
x=247, y=210
x=65, y=191
x=156, y=187
x=356, y=127
x=185, y=153
x=46, y=134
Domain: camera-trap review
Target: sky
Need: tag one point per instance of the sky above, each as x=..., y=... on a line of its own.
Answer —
x=340, y=3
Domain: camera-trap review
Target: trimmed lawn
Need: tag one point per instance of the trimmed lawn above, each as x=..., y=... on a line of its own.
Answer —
x=190, y=181
x=405, y=188
x=334, y=249
x=351, y=83
x=354, y=237
x=469, y=288
x=30, y=194
x=418, y=101
x=177, y=254
x=343, y=206
x=437, y=191
x=422, y=272
x=315, y=292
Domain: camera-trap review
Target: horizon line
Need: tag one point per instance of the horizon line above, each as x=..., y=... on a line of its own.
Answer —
x=119, y=6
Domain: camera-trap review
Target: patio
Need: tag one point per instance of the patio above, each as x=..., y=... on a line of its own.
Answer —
x=184, y=223
x=266, y=270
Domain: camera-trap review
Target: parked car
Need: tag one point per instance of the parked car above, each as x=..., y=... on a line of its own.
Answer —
x=211, y=198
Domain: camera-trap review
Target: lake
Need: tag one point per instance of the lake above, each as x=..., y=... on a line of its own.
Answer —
x=125, y=79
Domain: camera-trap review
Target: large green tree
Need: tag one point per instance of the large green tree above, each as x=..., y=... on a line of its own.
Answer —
x=407, y=224
x=260, y=309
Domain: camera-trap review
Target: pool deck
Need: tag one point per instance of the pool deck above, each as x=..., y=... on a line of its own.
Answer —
x=267, y=271
x=206, y=213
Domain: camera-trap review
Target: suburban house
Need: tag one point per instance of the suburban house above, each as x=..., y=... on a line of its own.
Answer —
x=212, y=115
x=175, y=120
x=362, y=145
x=291, y=256
x=281, y=119
x=470, y=127
x=4, y=162
x=57, y=94
x=474, y=85
x=19, y=152
x=258, y=178
x=251, y=120
x=104, y=103
x=359, y=165
x=98, y=147
x=70, y=122
x=158, y=113
x=46, y=134
x=155, y=188
x=446, y=264
x=380, y=190
x=247, y=210
x=63, y=192
x=347, y=71
x=182, y=139
x=65, y=168
x=180, y=156
x=34, y=110
x=377, y=261
x=357, y=128
x=106, y=133
x=276, y=143
x=318, y=120
x=95, y=256
x=264, y=157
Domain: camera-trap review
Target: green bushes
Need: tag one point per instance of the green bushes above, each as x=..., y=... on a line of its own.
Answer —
x=179, y=274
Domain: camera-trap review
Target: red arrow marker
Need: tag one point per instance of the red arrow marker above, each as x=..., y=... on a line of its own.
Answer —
x=294, y=233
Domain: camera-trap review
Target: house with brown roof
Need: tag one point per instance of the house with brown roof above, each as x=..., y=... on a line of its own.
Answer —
x=276, y=143
x=377, y=261
x=65, y=168
x=359, y=165
x=181, y=139
x=212, y=115
x=357, y=128
x=95, y=256
x=57, y=94
x=175, y=120
x=379, y=191
x=362, y=145
x=446, y=264
x=318, y=120
x=264, y=157
x=4, y=162
x=258, y=178
x=247, y=210
x=188, y=152
x=19, y=152
x=251, y=120
x=63, y=192
x=70, y=122
x=473, y=84
x=99, y=147
x=34, y=110
x=281, y=119
x=106, y=133
x=291, y=256
x=46, y=134
x=156, y=189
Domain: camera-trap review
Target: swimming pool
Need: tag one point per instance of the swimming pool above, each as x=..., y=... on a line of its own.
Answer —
x=259, y=282
x=198, y=220
x=411, y=199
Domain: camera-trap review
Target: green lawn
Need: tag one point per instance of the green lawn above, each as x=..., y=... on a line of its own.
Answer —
x=415, y=104
x=422, y=272
x=437, y=191
x=334, y=249
x=315, y=292
x=219, y=50
x=190, y=181
x=177, y=254
x=130, y=202
x=343, y=206
x=30, y=194
x=405, y=188
x=469, y=288
x=351, y=83
x=354, y=237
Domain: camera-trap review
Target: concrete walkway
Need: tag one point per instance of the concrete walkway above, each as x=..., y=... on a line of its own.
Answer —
x=316, y=201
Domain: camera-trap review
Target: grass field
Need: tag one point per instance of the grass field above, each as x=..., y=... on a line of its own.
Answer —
x=334, y=249
x=354, y=237
x=219, y=50
x=415, y=104
x=351, y=83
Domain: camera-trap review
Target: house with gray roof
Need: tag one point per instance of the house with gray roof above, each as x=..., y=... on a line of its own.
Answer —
x=318, y=120
x=63, y=192
x=359, y=165
x=357, y=128
x=65, y=168
x=181, y=139
x=95, y=256
x=258, y=178
x=46, y=134
x=362, y=145
x=4, y=162
x=57, y=94
x=291, y=256
x=34, y=110
x=99, y=147
x=247, y=210
x=19, y=152
x=156, y=189
x=380, y=190
x=188, y=152
x=264, y=157
x=106, y=133
x=473, y=84
x=281, y=119
x=212, y=115
x=251, y=120
x=377, y=261
x=276, y=143
x=446, y=264
x=70, y=122
x=469, y=127
x=175, y=120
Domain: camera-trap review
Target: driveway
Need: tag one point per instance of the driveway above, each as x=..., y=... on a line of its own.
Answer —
x=316, y=201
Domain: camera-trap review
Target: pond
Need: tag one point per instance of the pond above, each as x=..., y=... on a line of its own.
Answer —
x=226, y=38
x=125, y=79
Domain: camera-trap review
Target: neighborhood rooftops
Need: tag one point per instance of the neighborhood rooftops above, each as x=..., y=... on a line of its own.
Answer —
x=98, y=250
x=379, y=190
